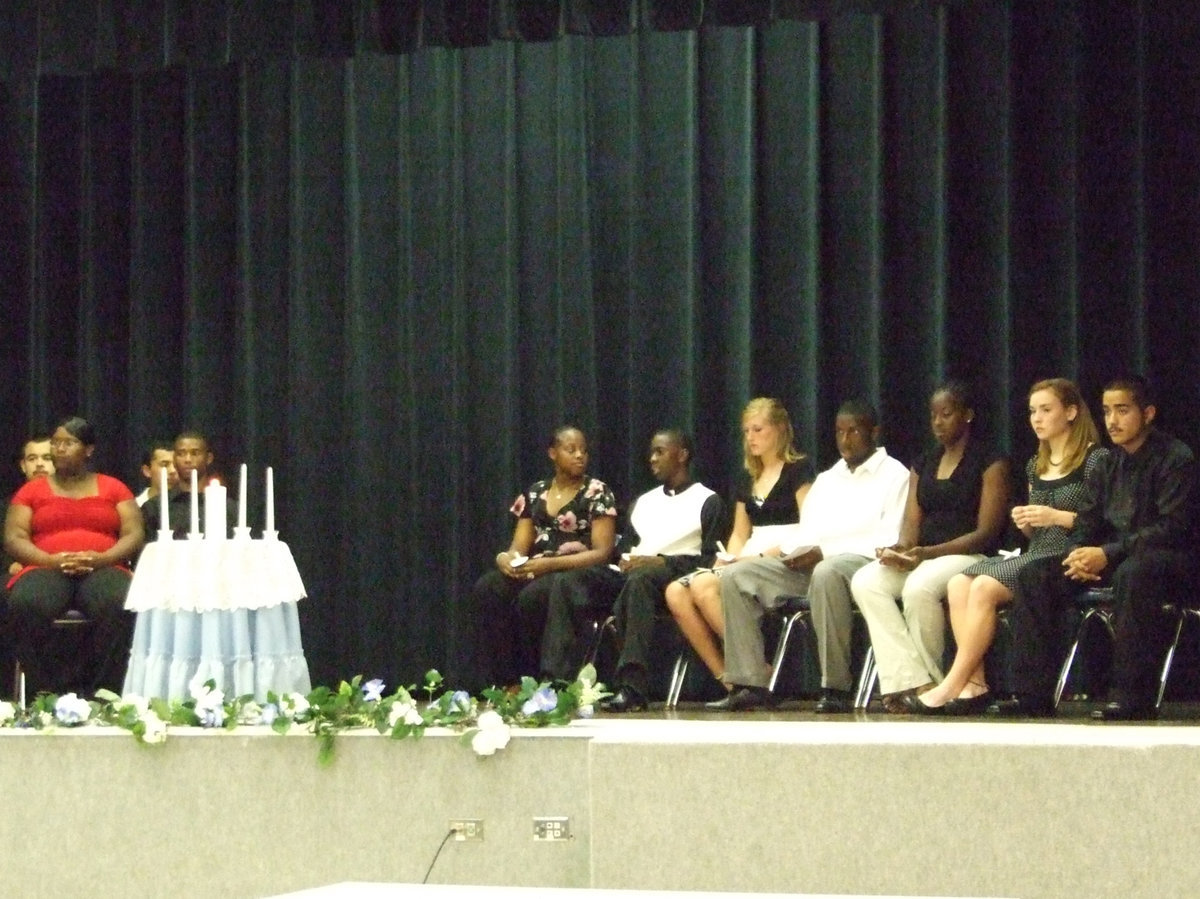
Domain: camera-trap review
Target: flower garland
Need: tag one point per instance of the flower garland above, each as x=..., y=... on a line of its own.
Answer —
x=485, y=724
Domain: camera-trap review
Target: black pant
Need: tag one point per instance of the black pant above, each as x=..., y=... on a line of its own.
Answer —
x=1141, y=584
x=576, y=599
x=505, y=621
x=41, y=595
x=636, y=609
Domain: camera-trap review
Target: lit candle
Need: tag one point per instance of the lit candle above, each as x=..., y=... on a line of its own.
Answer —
x=270, y=528
x=194, y=533
x=242, y=498
x=214, y=511
x=164, y=511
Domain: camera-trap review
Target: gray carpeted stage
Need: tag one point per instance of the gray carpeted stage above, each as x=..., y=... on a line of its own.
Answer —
x=771, y=802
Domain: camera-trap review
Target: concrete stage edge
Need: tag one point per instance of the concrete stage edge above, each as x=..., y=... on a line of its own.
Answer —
x=862, y=807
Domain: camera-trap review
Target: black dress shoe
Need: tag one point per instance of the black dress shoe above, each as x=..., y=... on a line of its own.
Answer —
x=1125, y=711
x=743, y=699
x=1022, y=707
x=912, y=704
x=626, y=699
x=833, y=702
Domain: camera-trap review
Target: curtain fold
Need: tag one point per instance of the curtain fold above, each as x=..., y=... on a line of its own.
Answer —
x=382, y=250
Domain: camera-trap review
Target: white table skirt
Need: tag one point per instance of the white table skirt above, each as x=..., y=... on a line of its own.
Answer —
x=220, y=611
x=198, y=575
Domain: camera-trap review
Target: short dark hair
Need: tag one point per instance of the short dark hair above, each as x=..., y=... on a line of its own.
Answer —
x=960, y=391
x=36, y=438
x=860, y=410
x=157, y=445
x=556, y=435
x=680, y=438
x=79, y=428
x=192, y=434
x=1136, y=386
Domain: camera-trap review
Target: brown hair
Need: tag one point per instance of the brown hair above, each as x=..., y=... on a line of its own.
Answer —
x=1083, y=434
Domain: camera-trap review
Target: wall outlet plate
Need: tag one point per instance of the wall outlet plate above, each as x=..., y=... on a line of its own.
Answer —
x=467, y=828
x=551, y=829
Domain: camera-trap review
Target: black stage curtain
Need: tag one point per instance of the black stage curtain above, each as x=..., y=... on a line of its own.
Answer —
x=386, y=246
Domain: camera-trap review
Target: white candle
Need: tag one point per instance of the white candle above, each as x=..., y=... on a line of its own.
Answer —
x=242, y=498
x=195, y=531
x=270, y=500
x=164, y=512
x=214, y=511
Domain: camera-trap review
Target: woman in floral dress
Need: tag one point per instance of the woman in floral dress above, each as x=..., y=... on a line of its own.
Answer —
x=566, y=522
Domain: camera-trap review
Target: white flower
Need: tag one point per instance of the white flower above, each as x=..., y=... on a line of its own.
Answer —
x=585, y=711
x=404, y=712
x=8, y=712
x=156, y=728
x=294, y=704
x=490, y=719
x=250, y=713
x=70, y=709
x=493, y=734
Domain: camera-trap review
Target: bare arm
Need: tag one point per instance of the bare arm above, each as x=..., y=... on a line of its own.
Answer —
x=910, y=525
x=741, y=529
x=130, y=540
x=522, y=542
x=18, y=540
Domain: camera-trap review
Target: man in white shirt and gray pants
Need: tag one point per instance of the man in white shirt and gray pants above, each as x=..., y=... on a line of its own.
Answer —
x=851, y=509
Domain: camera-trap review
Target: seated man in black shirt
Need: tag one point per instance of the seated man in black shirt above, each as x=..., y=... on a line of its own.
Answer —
x=1135, y=532
x=192, y=453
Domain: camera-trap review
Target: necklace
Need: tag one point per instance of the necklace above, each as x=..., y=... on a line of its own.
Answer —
x=559, y=492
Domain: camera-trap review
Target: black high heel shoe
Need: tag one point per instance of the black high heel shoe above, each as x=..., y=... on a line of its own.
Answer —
x=972, y=705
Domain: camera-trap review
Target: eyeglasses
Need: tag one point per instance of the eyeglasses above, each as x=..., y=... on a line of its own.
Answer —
x=64, y=442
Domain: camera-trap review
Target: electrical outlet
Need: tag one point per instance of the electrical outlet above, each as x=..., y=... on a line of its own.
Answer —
x=551, y=829
x=467, y=828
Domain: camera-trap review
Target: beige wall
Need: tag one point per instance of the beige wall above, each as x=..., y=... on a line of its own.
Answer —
x=895, y=807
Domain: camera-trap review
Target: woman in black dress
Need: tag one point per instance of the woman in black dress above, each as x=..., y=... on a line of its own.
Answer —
x=770, y=494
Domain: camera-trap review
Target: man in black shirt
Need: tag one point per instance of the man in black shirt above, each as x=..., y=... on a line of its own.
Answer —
x=1135, y=532
x=192, y=453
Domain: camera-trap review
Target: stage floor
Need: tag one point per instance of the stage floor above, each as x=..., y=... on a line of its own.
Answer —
x=772, y=802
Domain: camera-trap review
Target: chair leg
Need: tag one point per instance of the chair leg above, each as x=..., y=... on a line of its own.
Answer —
x=1064, y=672
x=866, y=680
x=600, y=630
x=678, y=676
x=1166, y=668
x=796, y=619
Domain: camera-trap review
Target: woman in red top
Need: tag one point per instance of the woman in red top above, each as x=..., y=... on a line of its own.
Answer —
x=75, y=532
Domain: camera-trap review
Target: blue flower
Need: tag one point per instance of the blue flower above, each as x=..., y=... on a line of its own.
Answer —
x=69, y=709
x=373, y=690
x=213, y=716
x=544, y=699
x=460, y=701
x=270, y=712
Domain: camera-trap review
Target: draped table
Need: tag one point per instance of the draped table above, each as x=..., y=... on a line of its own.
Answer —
x=220, y=610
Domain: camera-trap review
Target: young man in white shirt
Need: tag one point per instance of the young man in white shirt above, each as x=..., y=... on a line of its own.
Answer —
x=853, y=508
